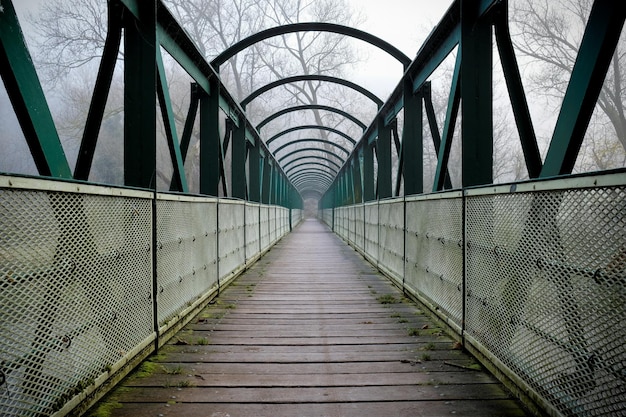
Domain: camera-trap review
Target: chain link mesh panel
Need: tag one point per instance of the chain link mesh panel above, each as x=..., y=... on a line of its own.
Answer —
x=371, y=231
x=351, y=224
x=253, y=222
x=296, y=217
x=273, y=224
x=434, y=252
x=391, y=242
x=75, y=291
x=264, y=212
x=359, y=231
x=341, y=222
x=327, y=217
x=231, y=237
x=186, y=253
x=546, y=279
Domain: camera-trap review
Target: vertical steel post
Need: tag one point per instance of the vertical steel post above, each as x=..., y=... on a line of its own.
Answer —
x=238, y=161
x=254, y=172
x=476, y=96
x=412, y=141
x=368, y=173
x=210, y=140
x=140, y=78
x=384, y=159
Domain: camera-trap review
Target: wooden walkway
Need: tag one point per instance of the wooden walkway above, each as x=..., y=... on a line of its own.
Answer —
x=311, y=330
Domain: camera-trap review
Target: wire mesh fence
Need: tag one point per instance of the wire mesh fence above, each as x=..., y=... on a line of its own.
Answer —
x=531, y=275
x=85, y=270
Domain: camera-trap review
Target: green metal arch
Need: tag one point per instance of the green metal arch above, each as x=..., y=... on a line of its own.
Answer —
x=313, y=171
x=310, y=150
x=308, y=27
x=312, y=107
x=311, y=185
x=311, y=178
x=303, y=127
x=312, y=157
x=312, y=77
x=312, y=164
x=324, y=141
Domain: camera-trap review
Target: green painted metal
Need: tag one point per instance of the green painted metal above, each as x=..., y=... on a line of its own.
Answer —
x=210, y=140
x=412, y=160
x=265, y=185
x=312, y=171
x=179, y=181
x=311, y=164
x=238, y=163
x=27, y=98
x=297, y=151
x=305, y=182
x=314, y=157
x=383, y=151
x=311, y=107
x=312, y=77
x=100, y=93
x=357, y=183
x=314, y=127
x=434, y=130
x=476, y=96
x=516, y=92
x=304, y=27
x=308, y=140
x=140, y=80
x=369, y=193
x=594, y=57
x=254, y=169
x=190, y=120
x=319, y=177
x=443, y=152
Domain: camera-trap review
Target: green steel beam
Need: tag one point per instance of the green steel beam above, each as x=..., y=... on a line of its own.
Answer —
x=383, y=152
x=434, y=128
x=100, y=92
x=476, y=96
x=297, y=151
x=140, y=80
x=369, y=193
x=516, y=92
x=238, y=162
x=357, y=181
x=190, y=120
x=315, y=127
x=312, y=77
x=412, y=142
x=179, y=180
x=312, y=170
x=443, y=152
x=27, y=97
x=254, y=169
x=321, y=158
x=210, y=140
x=600, y=39
x=307, y=27
x=311, y=107
x=311, y=176
x=314, y=140
x=311, y=164
x=265, y=186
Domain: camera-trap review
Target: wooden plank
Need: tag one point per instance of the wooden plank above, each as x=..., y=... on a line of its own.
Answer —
x=303, y=332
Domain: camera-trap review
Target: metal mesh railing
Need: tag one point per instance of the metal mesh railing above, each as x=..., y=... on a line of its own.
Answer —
x=77, y=280
x=546, y=273
x=532, y=275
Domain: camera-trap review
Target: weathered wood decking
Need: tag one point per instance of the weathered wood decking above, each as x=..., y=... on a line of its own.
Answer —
x=311, y=330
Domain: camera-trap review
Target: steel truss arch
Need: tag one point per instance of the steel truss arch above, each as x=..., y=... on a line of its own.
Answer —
x=309, y=27
x=311, y=107
x=303, y=127
x=323, y=141
x=312, y=77
x=312, y=164
x=321, y=158
x=310, y=150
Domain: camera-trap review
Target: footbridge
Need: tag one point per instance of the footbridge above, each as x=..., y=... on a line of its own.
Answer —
x=311, y=270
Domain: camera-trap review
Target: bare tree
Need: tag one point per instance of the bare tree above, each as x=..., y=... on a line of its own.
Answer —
x=548, y=34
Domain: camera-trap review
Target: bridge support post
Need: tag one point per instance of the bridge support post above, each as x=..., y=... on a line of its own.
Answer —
x=476, y=96
x=238, y=162
x=140, y=80
x=383, y=151
x=210, y=140
x=412, y=141
x=254, y=169
x=368, y=173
